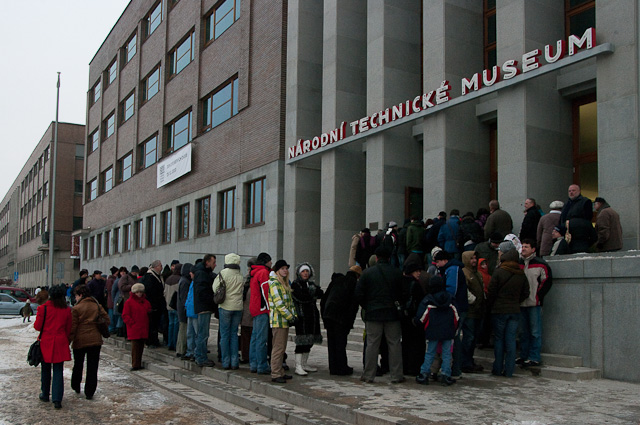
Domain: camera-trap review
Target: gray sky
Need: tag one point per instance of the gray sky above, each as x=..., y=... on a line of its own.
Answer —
x=40, y=38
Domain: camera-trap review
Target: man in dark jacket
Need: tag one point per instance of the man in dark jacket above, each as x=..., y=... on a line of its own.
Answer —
x=498, y=221
x=154, y=291
x=473, y=321
x=84, y=275
x=529, y=227
x=378, y=292
x=204, y=306
x=608, y=227
x=97, y=288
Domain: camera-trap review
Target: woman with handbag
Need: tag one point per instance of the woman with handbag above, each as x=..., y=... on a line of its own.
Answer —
x=230, y=309
x=86, y=339
x=53, y=320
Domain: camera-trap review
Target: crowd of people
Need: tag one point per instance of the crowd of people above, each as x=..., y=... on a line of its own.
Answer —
x=429, y=293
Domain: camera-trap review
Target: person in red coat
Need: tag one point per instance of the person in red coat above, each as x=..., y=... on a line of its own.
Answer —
x=54, y=342
x=136, y=316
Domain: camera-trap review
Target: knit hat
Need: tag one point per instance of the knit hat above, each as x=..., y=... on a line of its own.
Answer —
x=137, y=287
x=303, y=268
x=601, y=200
x=113, y=269
x=392, y=224
x=280, y=264
x=436, y=284
x=356, y=269
x=231, y=258
x=435, y=250
x=506, y=246
x=97, y=272
x=556, y=205
x=441, y=255
x=263, y=258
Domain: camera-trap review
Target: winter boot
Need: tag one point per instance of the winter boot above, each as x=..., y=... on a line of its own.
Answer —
x=305, y=366
x=299, y=369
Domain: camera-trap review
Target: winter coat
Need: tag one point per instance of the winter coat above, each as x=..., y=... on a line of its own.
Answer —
x=235, y=287
x=136, y=316
x=378, y=291
x=116, y=295
x=560, y=247
x=538, y=274
x=183, y=290
x=583, y=235
x=171, y=284
x=498, y=221
x=355, y=239
x=365, y=249
x=456, y=283
x=448, y=235
x=608, y=229
x=247, y=319
x=203, y=289
x=438, y=316
x=154, y=290
x=259, y=301
x=305, y=294
x=282, y=312
x=415, y=237
x=84, y=331
x=338, y=303
x=580, y=207
x=54, y=341
x=108, y=288
x=529, y=228
x=469, y=231
x=401, y=246
x=508, y=286
x=545, y=228
x=489, y=253
x=97, y=290
x=475, y=285
x=125, y=284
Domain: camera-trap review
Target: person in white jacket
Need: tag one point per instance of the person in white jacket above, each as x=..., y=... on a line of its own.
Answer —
x=230, y=310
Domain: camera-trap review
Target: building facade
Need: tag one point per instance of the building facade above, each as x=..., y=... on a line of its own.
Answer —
x=25, y=212
x=185, y=133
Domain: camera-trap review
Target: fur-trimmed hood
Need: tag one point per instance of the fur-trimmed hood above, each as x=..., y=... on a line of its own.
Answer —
x=311, y=272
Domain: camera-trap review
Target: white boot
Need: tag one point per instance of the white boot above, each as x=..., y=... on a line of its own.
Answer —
x=299, y=369
x=305, y=366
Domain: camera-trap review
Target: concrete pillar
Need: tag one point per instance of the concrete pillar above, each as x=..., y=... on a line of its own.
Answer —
x=393, y=76
x=455, y=144
x=534, y=121
x=303, y=120
x=344, y=82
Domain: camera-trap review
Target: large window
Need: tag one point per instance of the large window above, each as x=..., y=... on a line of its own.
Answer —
x=165, y=222
x=227, y=210
x=183, y=222
x=99, y=245
x=203, y=213
x=151, y=85
x=107, y=243
x=220, y=106
x=137, y=231
x=221, y=18
x=116, y=240
x=125, y=168
x=148, y=153
x=126, y=238
x=93, y=189
x=107, y=180
x=490, y=34
x=127, y=108
x=129, y=50
x=579, y=15
x=179, y=132
x=182, y=55
x=94, y=140
x=255, y=191
x=108, y=126
x=151, y=230
x=153, y=19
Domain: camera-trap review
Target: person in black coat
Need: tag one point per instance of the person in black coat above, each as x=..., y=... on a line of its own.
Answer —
x=339, y=308
x=414, y=288
x=305, y=294
x=154, y=292
x=183, y=291
x=529, y=228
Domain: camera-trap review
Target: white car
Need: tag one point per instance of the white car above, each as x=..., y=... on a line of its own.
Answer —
x=10, y=305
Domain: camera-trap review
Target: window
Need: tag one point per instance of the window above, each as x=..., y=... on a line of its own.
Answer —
x=151, y=85
x=80, y=151
x=220, y=106
x=93, y=189
x=126, y=238
x=77, y=186
x=99, y=245
x=203, y=213
x=179, y=132
x=108, y=126
x=77, y=223
x=92, y=245
x=221, y=18
x=46, y=154
x=585, y=145
x=107, y=242
x=116, y=240
x=255, y=202
x=490, y=34
x=96, y=91
x=125, y=167
x=183, y=222
x=165, y=222
x=112, y=73
x=153, y=19
x=147, y=153
x=137, y=231
x=227, y=209
x=182, y=55
x=45, y=189
x=579, y=15
x=107, y=180
x=44, y=225
x=126, y=108
x=151, y=230
x=129, y=49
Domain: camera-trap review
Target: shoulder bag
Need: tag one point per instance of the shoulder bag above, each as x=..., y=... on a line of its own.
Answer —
x=101, y=323
x=34, y=356
x=221, y=292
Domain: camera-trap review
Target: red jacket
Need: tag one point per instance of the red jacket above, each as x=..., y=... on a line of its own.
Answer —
x=259, y=286
x=54, y=342
x=136, y=316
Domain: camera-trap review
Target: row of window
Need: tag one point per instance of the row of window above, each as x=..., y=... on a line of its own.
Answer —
x=216, y=21
x=33, y=232
x=34, y=171
x=38, y=197
x=33, y=264
x=132, y=236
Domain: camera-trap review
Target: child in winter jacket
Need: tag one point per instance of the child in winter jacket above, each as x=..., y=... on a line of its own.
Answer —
x=439, y=318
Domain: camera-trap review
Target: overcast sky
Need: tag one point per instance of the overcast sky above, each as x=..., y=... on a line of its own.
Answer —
x=40, y=38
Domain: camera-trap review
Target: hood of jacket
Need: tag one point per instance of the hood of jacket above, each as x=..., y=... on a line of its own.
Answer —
x=185, y=270
x=257, y=267
x=466, y=259
x=439, y=299
x=311, y=273
x=509, y=261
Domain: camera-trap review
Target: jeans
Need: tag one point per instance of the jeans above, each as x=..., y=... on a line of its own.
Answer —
x=192, y=336
x=173, y=329
x=457, y=346
x=258, y=346
x=229, y=322
x=505, y=328
x=471, y=329
x=112, y=322
x=202, y=339
x=93, y=359
x=430, y=354
x=57, y=389
x=531, y=333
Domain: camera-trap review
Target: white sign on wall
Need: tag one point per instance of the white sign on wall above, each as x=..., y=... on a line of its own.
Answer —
x=174, y=166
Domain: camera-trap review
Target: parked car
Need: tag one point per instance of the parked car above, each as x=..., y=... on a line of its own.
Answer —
x=11, y=305
x=17, y=293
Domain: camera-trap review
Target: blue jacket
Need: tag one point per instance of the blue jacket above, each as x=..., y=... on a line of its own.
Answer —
x=456, y=283
x=448, y=235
